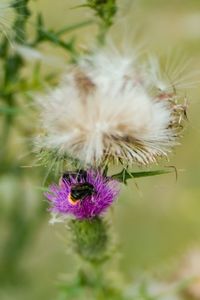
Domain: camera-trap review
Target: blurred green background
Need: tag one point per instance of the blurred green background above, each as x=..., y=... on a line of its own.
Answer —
x=157, y=221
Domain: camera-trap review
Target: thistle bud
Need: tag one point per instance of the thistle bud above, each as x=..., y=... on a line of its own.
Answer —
x=90, y=239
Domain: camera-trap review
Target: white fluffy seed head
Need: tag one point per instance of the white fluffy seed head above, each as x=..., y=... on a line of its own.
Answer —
x=109, y=107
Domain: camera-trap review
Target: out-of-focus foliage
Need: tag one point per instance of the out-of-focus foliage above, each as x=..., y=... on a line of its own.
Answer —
x=157, y=219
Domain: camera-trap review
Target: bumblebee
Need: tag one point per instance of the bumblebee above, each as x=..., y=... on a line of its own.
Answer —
x=80, y=190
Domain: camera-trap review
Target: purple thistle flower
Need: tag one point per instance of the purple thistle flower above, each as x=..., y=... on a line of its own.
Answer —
x=84, y=195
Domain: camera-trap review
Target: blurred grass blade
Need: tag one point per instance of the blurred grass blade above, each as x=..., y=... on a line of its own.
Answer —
x=80, y=6
x=42, y=189
x=9, y=110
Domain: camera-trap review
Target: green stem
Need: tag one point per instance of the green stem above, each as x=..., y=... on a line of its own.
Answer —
x=105, y=10
x=70, y=28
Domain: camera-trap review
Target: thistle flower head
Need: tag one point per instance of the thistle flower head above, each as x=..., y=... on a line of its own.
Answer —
x=111, y=108
x=84, y=195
